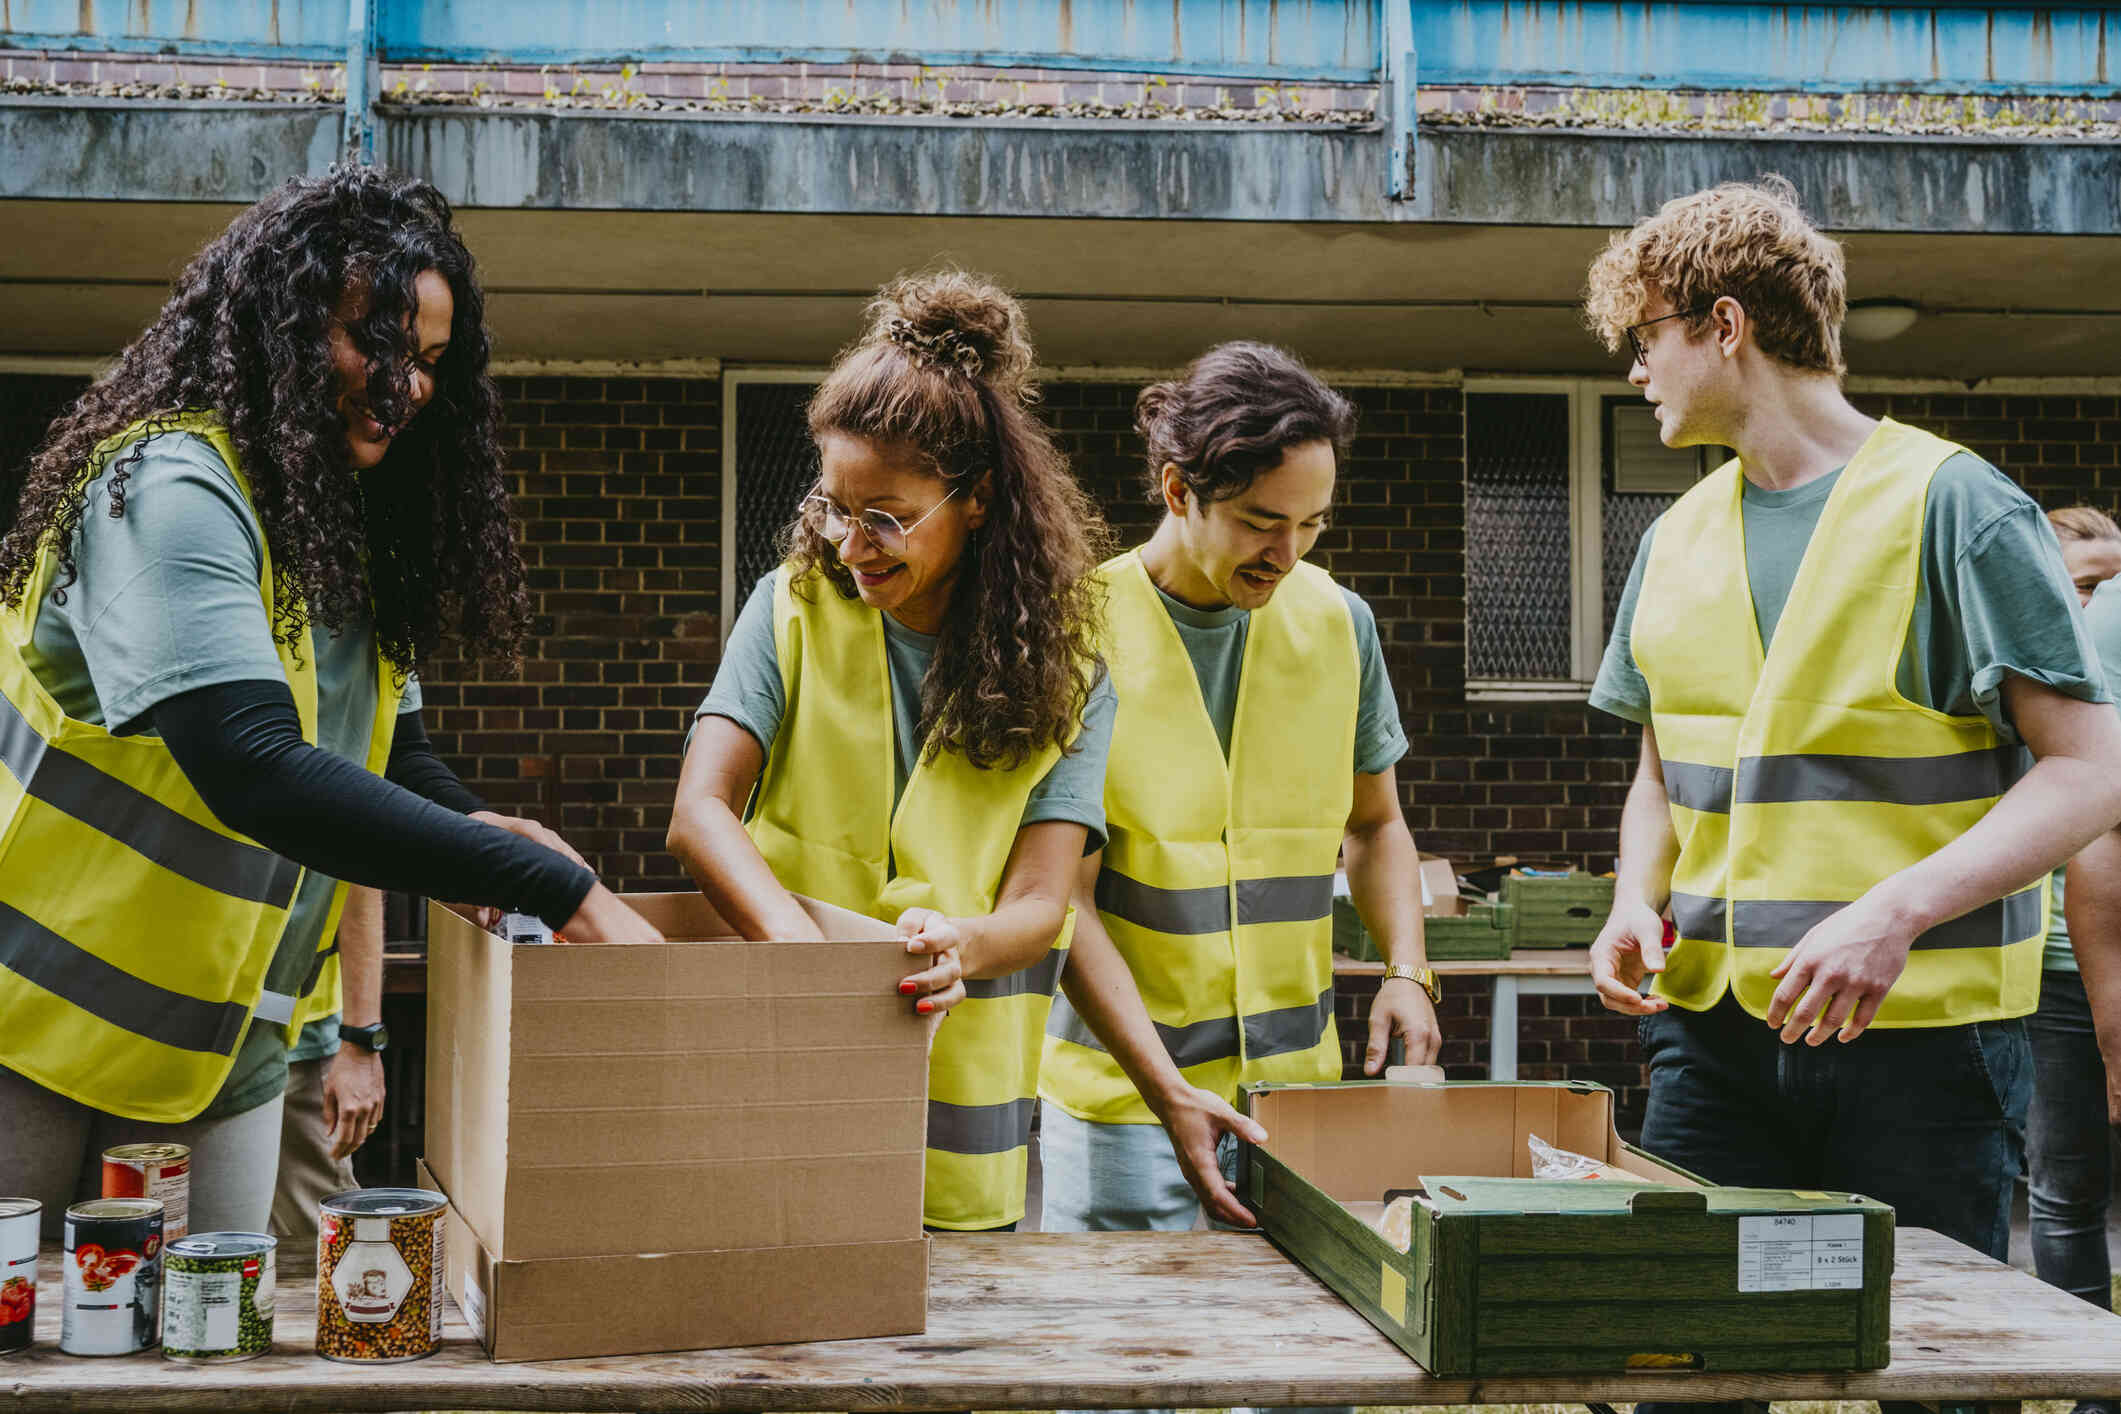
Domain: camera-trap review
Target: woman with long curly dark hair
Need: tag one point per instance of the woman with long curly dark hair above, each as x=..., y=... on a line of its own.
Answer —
x=915, y=698
x=230, y=554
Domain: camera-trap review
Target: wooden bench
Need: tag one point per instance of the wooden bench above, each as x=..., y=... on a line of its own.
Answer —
x=1104, y=1320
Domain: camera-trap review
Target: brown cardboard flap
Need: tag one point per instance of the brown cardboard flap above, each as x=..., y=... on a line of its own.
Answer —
x=1357, y=1141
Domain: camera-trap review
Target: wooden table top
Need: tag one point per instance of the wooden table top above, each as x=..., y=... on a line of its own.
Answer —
x=1103, y=1319
x=1524, y=962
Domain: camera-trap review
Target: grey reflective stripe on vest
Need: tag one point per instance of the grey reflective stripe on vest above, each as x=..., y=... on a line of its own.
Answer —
x=1194, y=1044
x=979, y=1129
x=1181, y=911
x=109, y=806
x=1296, y=1028
x=1895, y=780
x=1266, y=1033
x=1042, y=977
x=276, y=1007
x=1780, y=923
x=1698, y=787
x=1300, y=898
x=1698, y=917
x=1297, y=899
x=36, y=954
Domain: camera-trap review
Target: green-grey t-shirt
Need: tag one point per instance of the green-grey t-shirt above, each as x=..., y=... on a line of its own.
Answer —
x=747, y=690
x=167, y=601
x=1994, y=599
x=2102, y=619
x=1215, y=641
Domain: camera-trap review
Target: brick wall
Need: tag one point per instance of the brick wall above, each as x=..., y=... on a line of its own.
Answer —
x=618, y=494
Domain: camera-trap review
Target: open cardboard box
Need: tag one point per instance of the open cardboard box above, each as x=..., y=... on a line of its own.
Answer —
x=1501, y=1273
x=746, y=1121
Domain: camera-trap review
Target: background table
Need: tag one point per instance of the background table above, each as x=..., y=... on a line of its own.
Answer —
x=1525, y=972
x=1104, y=1320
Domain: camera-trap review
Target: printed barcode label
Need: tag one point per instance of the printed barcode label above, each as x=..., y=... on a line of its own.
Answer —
x=1801, y=1252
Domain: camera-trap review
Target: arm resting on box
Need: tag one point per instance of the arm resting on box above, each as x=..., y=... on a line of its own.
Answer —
x=708, y=837
x=240, y=745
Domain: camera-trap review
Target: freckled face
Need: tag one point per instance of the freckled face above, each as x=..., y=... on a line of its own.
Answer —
x=912, y=583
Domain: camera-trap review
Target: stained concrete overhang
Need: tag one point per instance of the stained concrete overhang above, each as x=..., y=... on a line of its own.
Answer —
x=591, y=246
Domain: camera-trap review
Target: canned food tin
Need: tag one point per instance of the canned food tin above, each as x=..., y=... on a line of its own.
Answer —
x=153, y=1171
x=19, y=1221
x=379, y=1275
x=218, y=1296
x=113, y=1282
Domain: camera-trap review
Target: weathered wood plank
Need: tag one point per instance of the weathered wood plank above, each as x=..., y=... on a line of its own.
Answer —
x=1107, y=1320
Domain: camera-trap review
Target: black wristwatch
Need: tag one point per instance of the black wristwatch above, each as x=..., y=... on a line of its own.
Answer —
x=369, y=1038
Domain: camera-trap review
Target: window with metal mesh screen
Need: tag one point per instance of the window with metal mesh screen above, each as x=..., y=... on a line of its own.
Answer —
x=775, y=465
x=1518, y=618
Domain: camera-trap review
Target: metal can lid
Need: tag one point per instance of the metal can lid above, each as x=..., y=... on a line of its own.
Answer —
x=117, y=1208
x=385, y=1202
x=19, y=1207
x=222, y=1244
x=148, y=1153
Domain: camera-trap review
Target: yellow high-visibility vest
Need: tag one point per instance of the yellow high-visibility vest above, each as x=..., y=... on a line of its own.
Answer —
x=135, y=928
x=1800, y=777
x=824, y=820
x=1217, y=885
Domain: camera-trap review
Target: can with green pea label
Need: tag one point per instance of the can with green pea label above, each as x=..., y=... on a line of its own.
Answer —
x=218, y=1301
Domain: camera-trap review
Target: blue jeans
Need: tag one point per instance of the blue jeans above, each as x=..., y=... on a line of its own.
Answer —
x=1929, y=1119
x=2069, y=1151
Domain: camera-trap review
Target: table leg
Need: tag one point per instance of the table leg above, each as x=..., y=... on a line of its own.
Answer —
x=1502, y=1030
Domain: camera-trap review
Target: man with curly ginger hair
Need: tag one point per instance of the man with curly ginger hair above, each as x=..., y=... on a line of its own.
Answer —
x=1840, y=647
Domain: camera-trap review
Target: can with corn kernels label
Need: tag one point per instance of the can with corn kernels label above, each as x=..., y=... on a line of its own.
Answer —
x=379, y=1275
x=218, y=1297
x=161, y=1171
x=19, y=1222
x=113, y=1277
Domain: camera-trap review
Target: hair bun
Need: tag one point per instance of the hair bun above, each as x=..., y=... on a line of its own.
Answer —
x=952, y=320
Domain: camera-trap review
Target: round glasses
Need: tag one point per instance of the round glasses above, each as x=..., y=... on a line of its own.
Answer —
x=825, y=517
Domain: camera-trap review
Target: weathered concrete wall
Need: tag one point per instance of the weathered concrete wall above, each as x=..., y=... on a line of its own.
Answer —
x=72, y=149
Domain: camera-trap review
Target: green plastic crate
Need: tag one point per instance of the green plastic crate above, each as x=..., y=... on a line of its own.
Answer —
x=1558, y=913
x=1483, y=933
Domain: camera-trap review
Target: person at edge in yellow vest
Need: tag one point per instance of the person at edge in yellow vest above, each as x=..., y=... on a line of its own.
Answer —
x=1839, y=646
x=229, y=555
x=910, y=720
x=1256, y=739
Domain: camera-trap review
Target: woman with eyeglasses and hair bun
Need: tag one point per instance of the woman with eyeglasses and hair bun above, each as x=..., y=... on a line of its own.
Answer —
x=915, y=697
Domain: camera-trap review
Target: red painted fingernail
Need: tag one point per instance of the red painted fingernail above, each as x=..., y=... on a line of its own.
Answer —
x=924, y=1007
x=905, y=988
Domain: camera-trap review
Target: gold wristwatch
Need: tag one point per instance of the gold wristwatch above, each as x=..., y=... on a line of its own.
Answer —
x=1422, y=977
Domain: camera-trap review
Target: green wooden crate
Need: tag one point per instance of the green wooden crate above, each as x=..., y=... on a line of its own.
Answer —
x=1483, y=932
x=1508, y=1275
x=1558, y=913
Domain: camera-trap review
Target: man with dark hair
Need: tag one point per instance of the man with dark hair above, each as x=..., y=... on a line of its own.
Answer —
x=1839, y=646
x=1255, y=741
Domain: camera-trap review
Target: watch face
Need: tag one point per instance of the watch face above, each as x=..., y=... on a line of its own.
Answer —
x=373, y=1038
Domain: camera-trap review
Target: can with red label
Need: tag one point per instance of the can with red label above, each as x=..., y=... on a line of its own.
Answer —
x=160, y=1171
x=19, y=1222
x=113, y=1277
x=379, y=1275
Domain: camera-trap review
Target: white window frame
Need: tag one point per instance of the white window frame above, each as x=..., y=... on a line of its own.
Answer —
x=731, y=378
x=1586, y=537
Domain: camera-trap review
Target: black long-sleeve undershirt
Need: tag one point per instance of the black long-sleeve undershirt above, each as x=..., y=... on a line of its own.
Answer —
x=240, y=745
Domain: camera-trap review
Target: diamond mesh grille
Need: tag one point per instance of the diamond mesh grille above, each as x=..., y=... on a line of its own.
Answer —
x=1517, y=536
x=775, y=466
x=1627, y=515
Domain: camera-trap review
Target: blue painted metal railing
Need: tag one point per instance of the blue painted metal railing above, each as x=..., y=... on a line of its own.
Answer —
x=2067, y=48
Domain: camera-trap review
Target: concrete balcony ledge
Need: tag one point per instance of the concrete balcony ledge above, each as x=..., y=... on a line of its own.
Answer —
x=225, y=151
